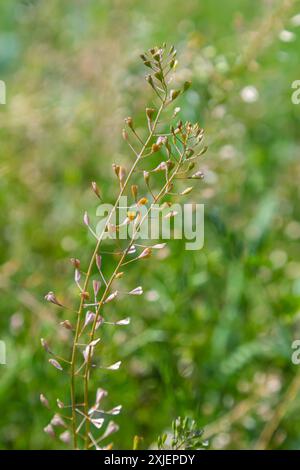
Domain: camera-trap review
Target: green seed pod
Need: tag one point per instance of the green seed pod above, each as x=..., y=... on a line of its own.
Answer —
x=129, y=122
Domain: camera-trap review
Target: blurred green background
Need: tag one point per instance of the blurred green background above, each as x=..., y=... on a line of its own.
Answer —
x=211, y=338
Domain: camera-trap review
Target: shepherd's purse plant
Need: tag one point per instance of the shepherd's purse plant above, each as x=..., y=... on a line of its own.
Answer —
x=164, y=152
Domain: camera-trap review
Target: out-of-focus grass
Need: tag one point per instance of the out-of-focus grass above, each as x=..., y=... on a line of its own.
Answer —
x=214, y=330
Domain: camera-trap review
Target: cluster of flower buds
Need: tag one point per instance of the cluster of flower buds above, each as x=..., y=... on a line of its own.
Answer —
x=161, y=61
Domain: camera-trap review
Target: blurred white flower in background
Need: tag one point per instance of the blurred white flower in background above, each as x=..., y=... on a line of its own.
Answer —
x=249, y=94
x=295, y=21
x=287, y=36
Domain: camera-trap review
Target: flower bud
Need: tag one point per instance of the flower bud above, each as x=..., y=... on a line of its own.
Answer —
x=198, y=175
x=60, y=404
x=146, y=177
x=116, y=169
x=45, y=345
x=66, y=324
x=162, y=139
x=84, y=295
x=134, y=191
x=161, y=167
x=176, y=111
x=129, y=122
x=170, y=164
x=142, y=202
x=50, y=297
x=75, y=262
x=155, y=148
x=131, y=215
